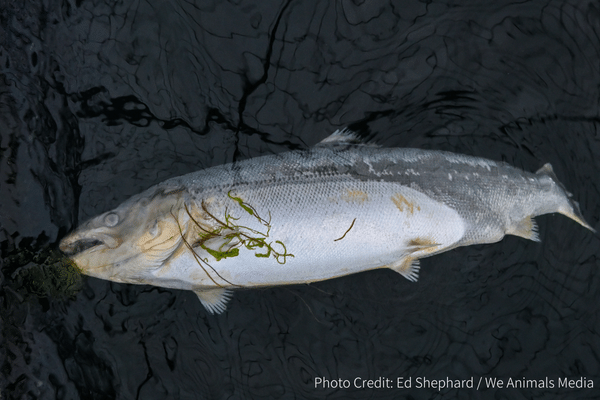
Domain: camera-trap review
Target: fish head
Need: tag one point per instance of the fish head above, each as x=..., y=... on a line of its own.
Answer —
x=130, y=242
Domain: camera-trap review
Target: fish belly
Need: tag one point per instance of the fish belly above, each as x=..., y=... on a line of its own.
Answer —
x=328, y=229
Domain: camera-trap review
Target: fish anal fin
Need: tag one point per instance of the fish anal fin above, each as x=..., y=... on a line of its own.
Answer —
x=214, y=300
x=407, y=267
x=525, y=228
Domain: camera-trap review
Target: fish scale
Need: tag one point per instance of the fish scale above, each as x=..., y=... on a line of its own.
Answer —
x=310, y=215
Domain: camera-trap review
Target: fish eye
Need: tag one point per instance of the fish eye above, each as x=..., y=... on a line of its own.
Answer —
x=111, y=219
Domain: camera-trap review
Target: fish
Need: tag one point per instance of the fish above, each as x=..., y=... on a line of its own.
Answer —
x=302, y=216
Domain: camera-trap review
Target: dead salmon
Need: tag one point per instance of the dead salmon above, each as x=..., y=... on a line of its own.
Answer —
x=305, y=216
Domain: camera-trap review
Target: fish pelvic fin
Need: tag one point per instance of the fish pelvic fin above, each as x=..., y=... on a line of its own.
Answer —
x=408, y=268
x=571, y=209
x=525, y=228
x=214, y=300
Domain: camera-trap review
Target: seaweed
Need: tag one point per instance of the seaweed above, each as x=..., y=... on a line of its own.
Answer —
x=235, y=236
x=232, y=237
x=45, y=274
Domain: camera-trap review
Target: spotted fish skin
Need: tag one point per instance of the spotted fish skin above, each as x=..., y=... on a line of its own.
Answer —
x=309, y=215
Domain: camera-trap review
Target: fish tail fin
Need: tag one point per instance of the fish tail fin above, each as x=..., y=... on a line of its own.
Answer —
x=571, y=207
x=574, y=213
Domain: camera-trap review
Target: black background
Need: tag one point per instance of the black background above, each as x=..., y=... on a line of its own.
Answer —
x=100, y=100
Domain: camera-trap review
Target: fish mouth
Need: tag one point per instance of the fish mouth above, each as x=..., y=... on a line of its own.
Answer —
x=79, y=246
x=78, y=243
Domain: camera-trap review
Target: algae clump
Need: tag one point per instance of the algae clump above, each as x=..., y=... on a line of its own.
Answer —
x=47, y=273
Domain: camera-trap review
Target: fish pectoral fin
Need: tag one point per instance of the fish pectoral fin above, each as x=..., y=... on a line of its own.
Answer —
x=525, y=228
x=407, y=267
x=214, y=300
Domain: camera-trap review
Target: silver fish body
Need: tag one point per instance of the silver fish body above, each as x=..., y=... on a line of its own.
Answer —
x=305, y=216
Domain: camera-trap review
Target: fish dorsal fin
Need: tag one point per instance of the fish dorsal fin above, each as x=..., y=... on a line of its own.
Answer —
x=214, y=300
x=548, y=171
x=545, y=170
x=342, y=136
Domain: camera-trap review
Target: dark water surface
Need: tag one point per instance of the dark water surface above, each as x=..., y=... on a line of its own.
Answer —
x=100, y=100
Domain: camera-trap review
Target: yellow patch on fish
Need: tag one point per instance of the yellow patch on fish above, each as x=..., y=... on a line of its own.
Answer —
x=355, y=196
x=423, y=245
x=401, y=202
x=422, y=242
